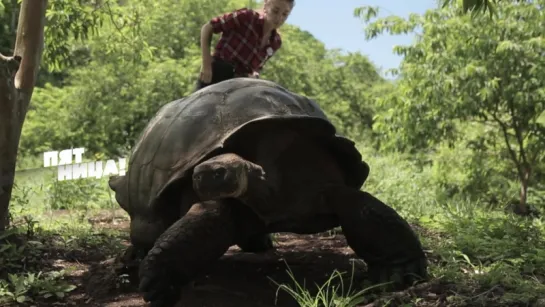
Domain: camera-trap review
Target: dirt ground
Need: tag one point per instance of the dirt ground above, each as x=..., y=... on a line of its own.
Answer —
x=242, y=279
x=237, y=279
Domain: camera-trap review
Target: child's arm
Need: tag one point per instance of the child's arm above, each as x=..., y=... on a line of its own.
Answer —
x=222, y=23
x=206, y=40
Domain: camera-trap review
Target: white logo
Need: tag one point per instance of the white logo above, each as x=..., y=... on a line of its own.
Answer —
x=68, y=170
x=269, y=51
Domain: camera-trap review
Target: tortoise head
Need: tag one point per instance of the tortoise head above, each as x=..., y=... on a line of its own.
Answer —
x=224, y=176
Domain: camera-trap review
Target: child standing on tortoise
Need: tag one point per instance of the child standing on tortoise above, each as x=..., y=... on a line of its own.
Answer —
x=249, y=39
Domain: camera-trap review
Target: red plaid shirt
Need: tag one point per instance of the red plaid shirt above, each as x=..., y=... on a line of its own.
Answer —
x=242, y=31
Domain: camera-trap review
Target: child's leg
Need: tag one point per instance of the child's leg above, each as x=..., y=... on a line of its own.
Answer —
x=200, y=84
x=221, y=71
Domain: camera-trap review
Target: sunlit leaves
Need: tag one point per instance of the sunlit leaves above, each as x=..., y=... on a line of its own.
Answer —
x=476, y=7
x=471, y=69
x=392, y=24
x=366, y=12
x=67, y=20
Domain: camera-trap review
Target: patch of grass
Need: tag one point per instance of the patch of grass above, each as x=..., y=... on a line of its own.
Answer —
x=39, y=194
x=30, y=268
x=491, y=257
x=331, y=293
x=47, y=225
x=484, y=259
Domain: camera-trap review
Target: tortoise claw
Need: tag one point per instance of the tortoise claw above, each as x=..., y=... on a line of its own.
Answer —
x=159, y=287
x=258, y=244
x=398, y=276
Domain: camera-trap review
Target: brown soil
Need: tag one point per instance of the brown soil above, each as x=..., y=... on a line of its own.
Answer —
x=237, y=279
x=242, y=279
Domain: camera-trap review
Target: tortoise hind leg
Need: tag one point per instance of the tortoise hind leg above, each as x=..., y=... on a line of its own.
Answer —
x=201, y=236
x=377, y=233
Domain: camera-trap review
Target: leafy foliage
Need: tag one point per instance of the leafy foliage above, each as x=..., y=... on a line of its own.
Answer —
x=451, y=141
x=474, y=6
x=475, y=71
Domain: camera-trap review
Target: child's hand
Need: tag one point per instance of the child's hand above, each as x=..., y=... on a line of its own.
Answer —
x=206, y=73
x=254, y=74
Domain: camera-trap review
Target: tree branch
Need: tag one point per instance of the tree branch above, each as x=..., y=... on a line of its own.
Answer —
x=511, y=108
x=512, y=152
x=30, y=42
x=11, y=62
x=489, y=124
x=8, y=68
x=518, y=133
x=540, y=132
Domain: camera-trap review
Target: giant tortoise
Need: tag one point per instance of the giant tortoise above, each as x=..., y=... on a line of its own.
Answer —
x=236, y=161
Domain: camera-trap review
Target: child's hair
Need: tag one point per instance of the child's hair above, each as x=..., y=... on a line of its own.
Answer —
x=292, y=2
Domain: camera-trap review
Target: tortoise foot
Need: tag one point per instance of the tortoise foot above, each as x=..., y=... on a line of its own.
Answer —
x=398, y=276
x=257, y=244
x=179, y=254
x=157, y=283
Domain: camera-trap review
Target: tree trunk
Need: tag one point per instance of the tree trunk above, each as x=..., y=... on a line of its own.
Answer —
x=523, y=205
x=18, y=75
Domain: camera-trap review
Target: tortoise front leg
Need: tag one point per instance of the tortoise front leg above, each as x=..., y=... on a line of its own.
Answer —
x=201, y=236
x=128, y=263
x=252, y=233
x=259, y=243
x=379, y=235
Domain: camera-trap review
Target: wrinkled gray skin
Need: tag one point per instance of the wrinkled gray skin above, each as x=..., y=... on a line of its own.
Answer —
x=238, y=161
